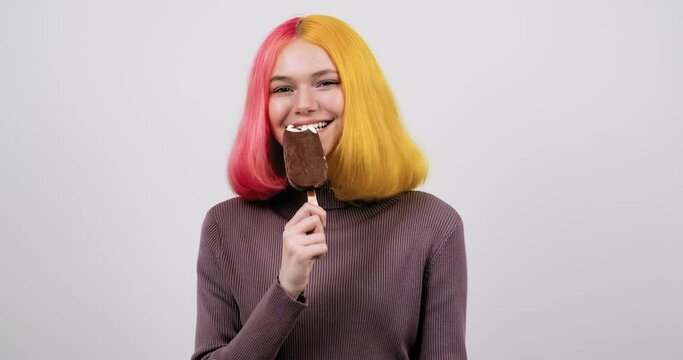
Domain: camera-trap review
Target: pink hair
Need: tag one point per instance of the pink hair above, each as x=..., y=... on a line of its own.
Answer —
x=250, y=169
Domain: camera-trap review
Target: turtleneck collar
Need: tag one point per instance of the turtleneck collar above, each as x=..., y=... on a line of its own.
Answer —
x=289, y=200
x=295, y=198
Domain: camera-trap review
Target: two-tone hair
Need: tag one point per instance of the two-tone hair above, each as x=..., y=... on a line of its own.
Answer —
x=375, y=157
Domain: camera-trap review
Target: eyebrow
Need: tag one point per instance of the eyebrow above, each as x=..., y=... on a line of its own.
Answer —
x=314, y=75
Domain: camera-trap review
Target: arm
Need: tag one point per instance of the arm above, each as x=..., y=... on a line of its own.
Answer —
x=442, y=334
x=220, y=334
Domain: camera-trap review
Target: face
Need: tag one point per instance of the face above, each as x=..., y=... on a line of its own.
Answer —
x=305, y=89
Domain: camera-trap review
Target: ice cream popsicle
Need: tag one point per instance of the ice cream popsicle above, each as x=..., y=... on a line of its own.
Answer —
x=305, y=161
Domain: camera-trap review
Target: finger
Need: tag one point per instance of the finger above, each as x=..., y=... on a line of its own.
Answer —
x=305, y=211
x=318, y=228
x=310, y=224
x=323, y=215
x=312, y=239
x=315, y=251
x=317, y=210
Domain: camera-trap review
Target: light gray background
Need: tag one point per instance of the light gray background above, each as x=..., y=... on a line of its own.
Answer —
x=552, y=127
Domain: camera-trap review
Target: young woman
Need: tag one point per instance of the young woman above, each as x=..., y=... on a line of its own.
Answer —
x=377, y=271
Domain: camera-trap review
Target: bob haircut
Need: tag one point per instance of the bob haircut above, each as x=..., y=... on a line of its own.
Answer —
x=375, y=157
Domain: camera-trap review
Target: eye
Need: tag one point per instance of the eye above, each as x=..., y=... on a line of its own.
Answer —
x=281, y=89
x=324, y=83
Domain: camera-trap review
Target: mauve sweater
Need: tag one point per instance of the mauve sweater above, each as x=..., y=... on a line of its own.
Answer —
x=393, y=284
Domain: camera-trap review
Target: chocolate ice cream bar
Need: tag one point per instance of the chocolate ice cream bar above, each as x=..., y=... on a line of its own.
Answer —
x=305, y=162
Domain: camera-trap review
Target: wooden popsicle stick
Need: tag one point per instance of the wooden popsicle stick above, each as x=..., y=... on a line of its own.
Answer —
x=312, y=198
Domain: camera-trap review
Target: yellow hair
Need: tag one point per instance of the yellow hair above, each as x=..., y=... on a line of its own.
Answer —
x=375, y=157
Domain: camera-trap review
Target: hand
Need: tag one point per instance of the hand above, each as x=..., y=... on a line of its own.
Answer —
x=303, y=241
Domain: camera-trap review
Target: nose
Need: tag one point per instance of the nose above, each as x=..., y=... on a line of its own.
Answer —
x=305, y=102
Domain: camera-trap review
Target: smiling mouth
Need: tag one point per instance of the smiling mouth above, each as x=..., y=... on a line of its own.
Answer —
x=316, y=126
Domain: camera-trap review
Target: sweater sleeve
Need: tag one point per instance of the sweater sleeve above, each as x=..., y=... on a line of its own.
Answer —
x=442, y=334
x=220, y=333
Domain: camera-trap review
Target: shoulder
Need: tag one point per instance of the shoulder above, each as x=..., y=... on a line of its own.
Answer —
x=236, y=209
x=228, y=206
x=430, y=211
x=229, y=221
x=232, y=204
x=440, y=219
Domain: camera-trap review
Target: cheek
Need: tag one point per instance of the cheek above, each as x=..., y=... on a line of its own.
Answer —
x=277, y=111
x=275, y=119
x=338, y=103
x=273, y=111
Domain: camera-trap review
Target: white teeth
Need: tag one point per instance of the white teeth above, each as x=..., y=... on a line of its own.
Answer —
x=320, y=125
x=316, y=126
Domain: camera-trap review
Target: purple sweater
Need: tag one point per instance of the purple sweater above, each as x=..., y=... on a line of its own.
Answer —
x=392, y=286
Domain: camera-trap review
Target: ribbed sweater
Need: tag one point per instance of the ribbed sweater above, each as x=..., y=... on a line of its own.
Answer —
x=393, y=284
